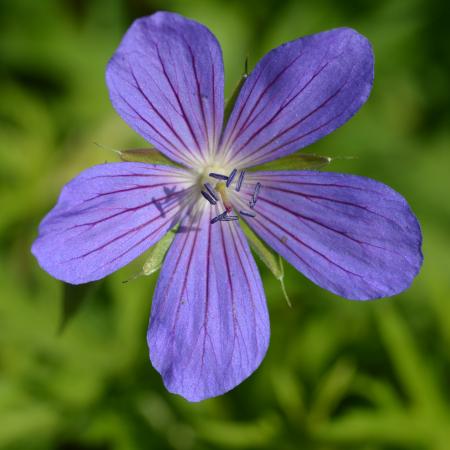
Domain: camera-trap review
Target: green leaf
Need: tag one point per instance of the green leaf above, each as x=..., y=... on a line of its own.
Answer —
x=73, y=297
x=269, y=257
x=296, y=161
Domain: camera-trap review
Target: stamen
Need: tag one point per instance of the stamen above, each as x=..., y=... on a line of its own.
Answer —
x=240, y=180
x=211, y=192
x=218, y=176
x=231, y=177
x=252, y=202
x=229, y=218
x=219, y=217
x=247, y=213
x=209, y=198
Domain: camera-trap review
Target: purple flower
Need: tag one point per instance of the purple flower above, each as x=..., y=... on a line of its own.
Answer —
x=209, y=327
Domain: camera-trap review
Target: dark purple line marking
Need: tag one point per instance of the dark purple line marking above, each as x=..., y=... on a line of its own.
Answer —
x=177, y=97
x=328, y=227
x=266, y=89
x=127, y=210
x=187, y=236
x=230, y=281
x=295, y=124
x=330, y=199
x=177, y=152
x=244, y=249
x=120, y=191
x=147, y=237
x=159, y=114
x=213, y=81
x=276, y=114
x=111, y=241
x=199, y=94
x=299, y=241
x=308, y=183
x=242, y=106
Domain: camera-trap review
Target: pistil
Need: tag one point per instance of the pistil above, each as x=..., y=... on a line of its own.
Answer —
x=221, y=188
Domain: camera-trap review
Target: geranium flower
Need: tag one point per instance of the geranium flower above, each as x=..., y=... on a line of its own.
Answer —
x=209, y=327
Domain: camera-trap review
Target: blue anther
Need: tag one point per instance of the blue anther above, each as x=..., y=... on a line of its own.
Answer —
x=229, y=218
x=209, y=198
x=219, y=217
x=247, y=213
x=218, y=176
x=256, y=192
x=240, y=180
x=252, y=202
x=231, y=177
x=211, y=192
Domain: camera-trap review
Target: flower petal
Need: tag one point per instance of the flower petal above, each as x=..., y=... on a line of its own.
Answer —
x=166, y=81
x=107, y=216
x=209, y=327
x=298, y=93
x=351, y=235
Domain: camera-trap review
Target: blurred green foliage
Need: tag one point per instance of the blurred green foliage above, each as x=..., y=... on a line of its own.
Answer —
x=338, y=374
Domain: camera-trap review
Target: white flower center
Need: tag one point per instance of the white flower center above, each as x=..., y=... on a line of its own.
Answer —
x=221, y=186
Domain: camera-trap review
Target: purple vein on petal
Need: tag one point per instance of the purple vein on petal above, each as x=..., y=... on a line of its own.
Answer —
x=342, y=233
x=116, y=238
x=251, y=156
x=237, y=238
x=161, y=116
x=131, y=209
x=281, y=108
x=199, y=95
x=233, y=303
x=177, y=97
x=172, y=146
x=241, y=110
x=259, y=98
x=297, y=239
x=330, y=199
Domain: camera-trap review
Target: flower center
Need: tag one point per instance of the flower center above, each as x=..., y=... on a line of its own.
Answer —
x=225, y=190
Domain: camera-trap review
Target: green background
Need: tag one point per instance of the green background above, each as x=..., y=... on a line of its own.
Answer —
x=338, y=374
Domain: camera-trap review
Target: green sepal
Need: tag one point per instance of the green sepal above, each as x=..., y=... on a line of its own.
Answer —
x=145, y=155
x=73, y=297
x=268, y=256
x=232, y=100
x=296, y=161
x=156, y=254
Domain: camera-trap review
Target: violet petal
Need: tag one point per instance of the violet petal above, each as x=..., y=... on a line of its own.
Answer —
x=209, y=326
x=298, y=93
x=106, y=217
x=166, y=81
x=354, y=236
